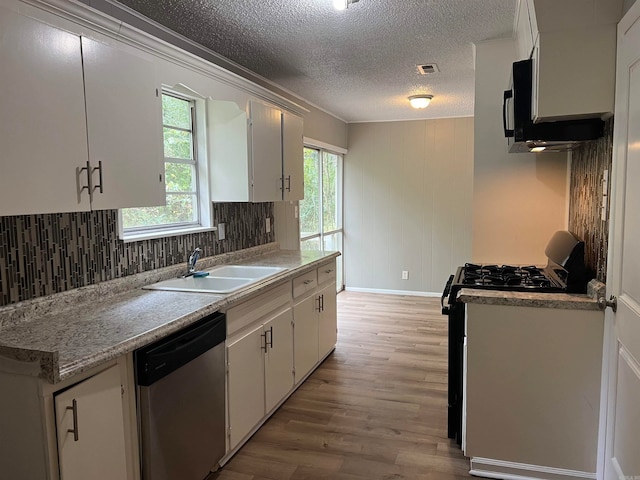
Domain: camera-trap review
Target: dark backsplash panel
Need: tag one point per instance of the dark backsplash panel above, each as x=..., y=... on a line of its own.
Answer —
x=45, y=254
x=588, y=164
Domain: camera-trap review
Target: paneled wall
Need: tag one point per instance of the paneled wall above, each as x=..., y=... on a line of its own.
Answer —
x=408, y=189
x=519, y=199
x=588, y=164
x=45, y=254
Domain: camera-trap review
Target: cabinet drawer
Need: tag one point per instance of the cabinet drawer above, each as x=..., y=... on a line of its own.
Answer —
x=304, y=283
x=327, y=273
x=246, y=313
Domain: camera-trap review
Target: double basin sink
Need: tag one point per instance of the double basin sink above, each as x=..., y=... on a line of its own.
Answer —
x=223, y=279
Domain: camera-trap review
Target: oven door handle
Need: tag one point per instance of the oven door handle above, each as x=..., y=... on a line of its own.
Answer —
x=445, y=294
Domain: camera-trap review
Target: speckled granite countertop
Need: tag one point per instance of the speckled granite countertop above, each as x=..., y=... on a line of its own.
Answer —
x=61, y=337
x=569, y=301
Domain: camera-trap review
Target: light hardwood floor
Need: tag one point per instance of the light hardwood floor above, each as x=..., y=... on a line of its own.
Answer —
x=375, y=409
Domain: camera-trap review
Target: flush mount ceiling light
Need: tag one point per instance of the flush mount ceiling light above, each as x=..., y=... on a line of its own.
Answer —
x=420, y=101
x=342, y=4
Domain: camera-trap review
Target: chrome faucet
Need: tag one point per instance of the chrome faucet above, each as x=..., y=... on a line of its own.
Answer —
x=191, y=265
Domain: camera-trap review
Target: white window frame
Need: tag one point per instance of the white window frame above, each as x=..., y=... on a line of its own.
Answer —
x=322, y=148
x=199, y=132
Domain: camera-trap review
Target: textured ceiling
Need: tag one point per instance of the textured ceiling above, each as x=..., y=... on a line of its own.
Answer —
x=360, y=63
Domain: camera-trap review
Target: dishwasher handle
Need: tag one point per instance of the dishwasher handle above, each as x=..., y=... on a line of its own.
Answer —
x=165, y=356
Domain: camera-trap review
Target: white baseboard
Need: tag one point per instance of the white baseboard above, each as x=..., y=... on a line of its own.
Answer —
x=394, y=292
x=489, y=468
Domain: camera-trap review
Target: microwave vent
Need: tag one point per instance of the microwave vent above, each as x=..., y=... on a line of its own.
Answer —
x=428, y=68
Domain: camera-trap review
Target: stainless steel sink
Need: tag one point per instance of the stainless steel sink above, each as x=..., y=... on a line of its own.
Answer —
x=223, y=279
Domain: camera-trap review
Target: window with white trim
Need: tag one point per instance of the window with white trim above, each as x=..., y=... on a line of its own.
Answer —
x=184, y=208
x=321, y=208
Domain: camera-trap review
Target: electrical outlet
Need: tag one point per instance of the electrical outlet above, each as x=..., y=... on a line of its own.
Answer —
x=222, y=234
x=268, y=224
x=405, y=274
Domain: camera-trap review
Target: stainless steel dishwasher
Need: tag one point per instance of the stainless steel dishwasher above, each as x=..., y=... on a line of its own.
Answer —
x=181, y=402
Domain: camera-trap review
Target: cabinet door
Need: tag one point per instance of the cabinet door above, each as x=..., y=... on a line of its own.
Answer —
x=278, y=360
x=42, y=120
x=305, y=332
x=245, y=384
x=97, y=450
x=124, y=121
x=266, y=153
x=292, y=157
x=327, y=320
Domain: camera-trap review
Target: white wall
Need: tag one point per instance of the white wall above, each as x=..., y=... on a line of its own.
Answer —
x=519, y=200
x=408, y=189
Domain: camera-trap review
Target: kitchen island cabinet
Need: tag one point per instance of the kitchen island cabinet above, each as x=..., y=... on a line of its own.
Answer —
x=532, y=389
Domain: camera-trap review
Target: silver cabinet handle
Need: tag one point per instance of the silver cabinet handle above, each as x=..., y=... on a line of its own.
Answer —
x=74, y=430
x=288, y=183
x=263, y=344
x=329, y=271
x=319, y=303
x=99, y=168
x=87, y=169
x=322, y=302
x=307, y=282
x=270, y=337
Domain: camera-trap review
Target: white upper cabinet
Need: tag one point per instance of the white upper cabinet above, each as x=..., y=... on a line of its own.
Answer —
x=292, y=157
x=266, y=152
x=574, y=54
x=124, y=120
x=525, y=37
x=66, y=101
x=254, y=157
x=42, y=118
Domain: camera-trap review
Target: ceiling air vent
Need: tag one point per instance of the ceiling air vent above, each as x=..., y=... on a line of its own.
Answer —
x=428, y=68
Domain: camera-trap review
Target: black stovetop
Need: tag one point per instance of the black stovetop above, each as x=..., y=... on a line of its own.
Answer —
x=509, y=278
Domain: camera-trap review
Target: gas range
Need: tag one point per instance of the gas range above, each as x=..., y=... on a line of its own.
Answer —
x=565, y=272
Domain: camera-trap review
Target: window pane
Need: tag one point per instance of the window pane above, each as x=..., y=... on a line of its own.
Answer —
x=330, y=192
x=312, y=244
x=310, y=206
x=176, y=112
x=180, y=177
x=179, y=209
x=177, y=144
x=333, y=242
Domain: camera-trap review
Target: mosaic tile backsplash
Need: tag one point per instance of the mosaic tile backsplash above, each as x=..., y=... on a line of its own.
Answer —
x=588, y=164
x=45, y=254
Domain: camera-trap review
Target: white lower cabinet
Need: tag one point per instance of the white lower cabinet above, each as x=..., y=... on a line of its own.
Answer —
x=81, y=428
x=314, y=317
x=327, y=327
x=270, y=345
x=90, y=429
x=278, y=359
x=305, y=314
x=245, y=384
x=260, y=372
